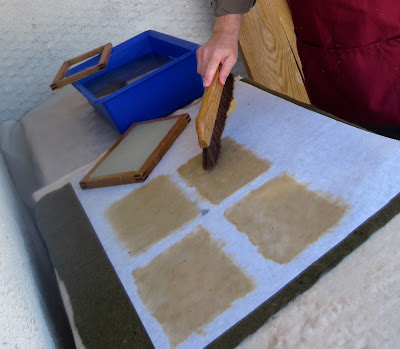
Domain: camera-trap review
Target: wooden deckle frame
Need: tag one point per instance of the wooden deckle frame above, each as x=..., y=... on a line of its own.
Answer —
x=60, y=80
x=89, y=182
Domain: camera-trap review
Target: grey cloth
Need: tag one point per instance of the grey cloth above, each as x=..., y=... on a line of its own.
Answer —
x=31, y=311
x=103, y=314
x=224, y=7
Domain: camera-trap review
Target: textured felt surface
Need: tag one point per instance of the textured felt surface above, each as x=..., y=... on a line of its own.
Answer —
x=355, y=305
x=103, y=314
x=308, y=278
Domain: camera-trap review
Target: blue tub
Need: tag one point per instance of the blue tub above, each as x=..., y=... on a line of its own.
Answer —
x=147, y=77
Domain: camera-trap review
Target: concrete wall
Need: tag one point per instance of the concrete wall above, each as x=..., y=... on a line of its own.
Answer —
x=36, y=37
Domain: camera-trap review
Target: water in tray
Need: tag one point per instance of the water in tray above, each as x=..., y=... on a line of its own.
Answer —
x=124, y=75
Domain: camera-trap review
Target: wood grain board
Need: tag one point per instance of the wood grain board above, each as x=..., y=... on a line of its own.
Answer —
x=268, y=48
x=205, y=121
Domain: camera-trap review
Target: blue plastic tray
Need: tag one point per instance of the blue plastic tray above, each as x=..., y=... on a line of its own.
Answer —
x=147, y=77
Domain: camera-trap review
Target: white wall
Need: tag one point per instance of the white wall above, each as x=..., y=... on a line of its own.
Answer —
x=36, y=37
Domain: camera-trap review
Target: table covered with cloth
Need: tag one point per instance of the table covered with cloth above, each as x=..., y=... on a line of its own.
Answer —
x=349, y=296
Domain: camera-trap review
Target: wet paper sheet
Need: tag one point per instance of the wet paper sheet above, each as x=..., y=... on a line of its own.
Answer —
x=150, y=214
x=331, y=177
x=283, y=217
x=198, y=267
x=235, y=169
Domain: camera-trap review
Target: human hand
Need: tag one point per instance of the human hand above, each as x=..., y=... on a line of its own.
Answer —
x=220, y=50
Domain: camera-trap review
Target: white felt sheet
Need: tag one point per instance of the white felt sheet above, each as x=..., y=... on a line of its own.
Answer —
x=361, y=168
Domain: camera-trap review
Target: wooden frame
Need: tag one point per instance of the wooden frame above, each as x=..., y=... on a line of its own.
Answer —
x=141, y=175
x=60, y=80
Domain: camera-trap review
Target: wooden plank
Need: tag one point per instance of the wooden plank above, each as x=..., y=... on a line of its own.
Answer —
x=283, y=11
x=267, y=49
x=205, y=120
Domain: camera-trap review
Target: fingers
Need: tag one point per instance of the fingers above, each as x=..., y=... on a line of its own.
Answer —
x=226, y=69
x=209, y=61
x=210, y=71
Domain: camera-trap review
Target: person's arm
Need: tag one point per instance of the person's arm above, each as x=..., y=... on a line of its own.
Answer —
x=222, y=48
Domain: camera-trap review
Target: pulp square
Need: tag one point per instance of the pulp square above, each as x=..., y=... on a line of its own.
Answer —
x=150, y=214
x=283, y=217
x=237, y=167
x=190, y=284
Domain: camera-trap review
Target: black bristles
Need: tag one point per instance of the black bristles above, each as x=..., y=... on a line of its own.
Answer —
x=211, y=154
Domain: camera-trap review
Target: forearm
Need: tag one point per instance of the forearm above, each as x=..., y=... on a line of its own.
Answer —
x=222, y=48
x=229, y=24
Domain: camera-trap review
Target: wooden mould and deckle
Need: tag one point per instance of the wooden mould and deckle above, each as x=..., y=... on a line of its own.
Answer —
x=132, y=158
x=61, y=79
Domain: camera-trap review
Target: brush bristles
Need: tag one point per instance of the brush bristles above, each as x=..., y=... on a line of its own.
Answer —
x=211, y=154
